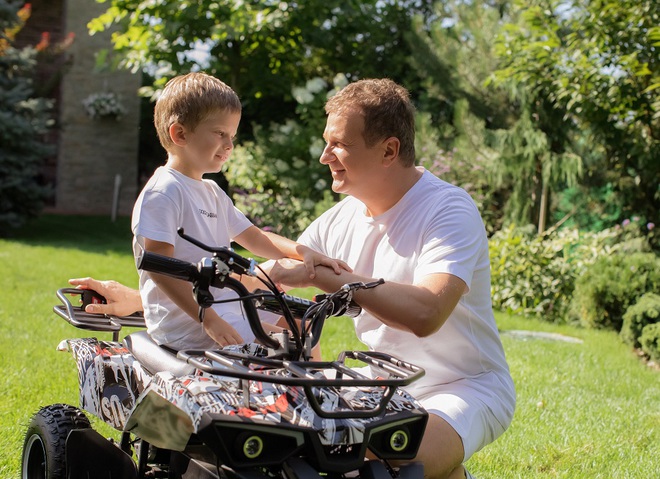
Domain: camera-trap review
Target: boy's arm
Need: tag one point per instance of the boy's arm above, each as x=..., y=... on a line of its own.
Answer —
x=180, y=292
x=273, y=246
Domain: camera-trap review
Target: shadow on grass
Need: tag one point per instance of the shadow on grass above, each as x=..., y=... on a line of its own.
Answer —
x=95, y=234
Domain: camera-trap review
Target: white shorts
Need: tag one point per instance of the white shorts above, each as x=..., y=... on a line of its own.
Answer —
x=479, y=417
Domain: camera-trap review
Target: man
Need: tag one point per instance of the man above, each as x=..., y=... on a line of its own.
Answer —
x=425, y=238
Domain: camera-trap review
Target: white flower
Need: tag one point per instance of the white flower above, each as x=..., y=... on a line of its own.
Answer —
x=302, y=95
x=315, y=85
x=104, y=104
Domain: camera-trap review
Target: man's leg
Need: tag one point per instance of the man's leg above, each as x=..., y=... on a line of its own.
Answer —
x=441, y=450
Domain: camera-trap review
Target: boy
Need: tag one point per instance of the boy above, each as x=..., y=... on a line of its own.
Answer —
x=196, y=118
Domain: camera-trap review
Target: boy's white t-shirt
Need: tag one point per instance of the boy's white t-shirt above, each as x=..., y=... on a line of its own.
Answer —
x=434, y=228
x=168, y=201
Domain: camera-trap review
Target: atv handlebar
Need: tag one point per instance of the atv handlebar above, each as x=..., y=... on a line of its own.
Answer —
x=167, y=265
x=212, y=273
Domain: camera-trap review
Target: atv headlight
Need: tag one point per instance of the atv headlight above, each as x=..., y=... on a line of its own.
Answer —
x=399, y=439
x=253, y=445
x=248, y=444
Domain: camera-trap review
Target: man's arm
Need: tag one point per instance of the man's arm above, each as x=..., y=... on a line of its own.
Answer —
x=421, y=308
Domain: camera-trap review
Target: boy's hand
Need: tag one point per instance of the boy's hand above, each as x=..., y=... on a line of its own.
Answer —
x=220, y=330
x=312, y=258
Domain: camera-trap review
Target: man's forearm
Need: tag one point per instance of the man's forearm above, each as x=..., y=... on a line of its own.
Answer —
x=411, y=308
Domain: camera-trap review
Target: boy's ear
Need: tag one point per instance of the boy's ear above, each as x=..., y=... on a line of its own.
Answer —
x=177, y=134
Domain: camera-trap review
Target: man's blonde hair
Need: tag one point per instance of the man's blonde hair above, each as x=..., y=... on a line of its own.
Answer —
x=188, y=99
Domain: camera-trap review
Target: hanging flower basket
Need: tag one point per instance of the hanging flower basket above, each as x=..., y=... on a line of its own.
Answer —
x=104, y=105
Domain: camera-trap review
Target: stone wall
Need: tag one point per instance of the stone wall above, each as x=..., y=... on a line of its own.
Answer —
x=93, y=152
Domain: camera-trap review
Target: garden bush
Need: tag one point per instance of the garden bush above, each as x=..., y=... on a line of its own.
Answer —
x=644, y=312
x=535, y=275
x=650, y=341
x=24, y=120
x=610, y=286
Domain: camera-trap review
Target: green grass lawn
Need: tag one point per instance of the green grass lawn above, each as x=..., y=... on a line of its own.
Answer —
x=585, y=410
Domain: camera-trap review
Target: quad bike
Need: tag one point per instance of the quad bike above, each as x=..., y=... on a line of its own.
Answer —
x=253, y=411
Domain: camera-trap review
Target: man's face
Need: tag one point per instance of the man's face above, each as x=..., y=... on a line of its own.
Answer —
x=353, y=165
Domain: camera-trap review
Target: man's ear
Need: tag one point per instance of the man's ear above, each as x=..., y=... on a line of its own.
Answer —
x=391, y=150
x=177, y=134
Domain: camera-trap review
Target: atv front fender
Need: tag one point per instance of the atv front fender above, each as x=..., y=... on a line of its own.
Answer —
x=88, y=454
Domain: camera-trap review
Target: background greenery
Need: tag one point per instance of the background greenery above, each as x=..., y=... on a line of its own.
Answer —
x=546, y=111
x=585, y=409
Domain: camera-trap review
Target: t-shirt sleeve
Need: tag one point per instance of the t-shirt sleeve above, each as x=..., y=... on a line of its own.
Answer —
x=158, y=218
x=311, y=236
x=237, y=222
x=454, y=242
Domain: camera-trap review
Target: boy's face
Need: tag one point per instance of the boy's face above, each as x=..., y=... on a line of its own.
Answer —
x=206, y=148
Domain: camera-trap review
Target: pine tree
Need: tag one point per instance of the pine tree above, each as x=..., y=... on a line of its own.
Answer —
x=24, y=120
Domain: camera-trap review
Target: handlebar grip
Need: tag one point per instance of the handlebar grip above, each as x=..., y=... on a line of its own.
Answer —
x=339, y=306
x=268, y=302
x=176, y=268
x=353, y=310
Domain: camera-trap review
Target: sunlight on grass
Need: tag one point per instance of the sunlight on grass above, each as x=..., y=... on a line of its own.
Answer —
x=585, y=410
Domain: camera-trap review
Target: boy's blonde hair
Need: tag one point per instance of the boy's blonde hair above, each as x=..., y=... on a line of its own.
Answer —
x=188, y=99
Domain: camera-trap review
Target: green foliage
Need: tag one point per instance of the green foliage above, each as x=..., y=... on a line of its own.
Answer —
x=650, y=341
x=535, y=275
x=591, y=209
x=644, y=312
x=277, y=179
x=261, y=49
x=594, y=66
x=24, y=119
x=605, y=290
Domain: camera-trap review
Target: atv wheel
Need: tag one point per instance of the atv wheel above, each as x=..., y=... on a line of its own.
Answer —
x=44, y=448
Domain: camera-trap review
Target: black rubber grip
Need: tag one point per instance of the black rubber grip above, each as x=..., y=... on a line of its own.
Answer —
x=297, y=306
x=176, y=268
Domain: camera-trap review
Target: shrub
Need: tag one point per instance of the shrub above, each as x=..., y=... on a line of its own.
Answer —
x=535, y=275
x=644, y=312
x=611, y=285
x=24, y=119
x=650, y=341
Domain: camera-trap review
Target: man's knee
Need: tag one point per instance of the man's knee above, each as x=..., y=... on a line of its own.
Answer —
x=441, y=450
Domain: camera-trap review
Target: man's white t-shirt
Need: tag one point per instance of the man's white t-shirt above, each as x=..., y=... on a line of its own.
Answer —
x=434, y=228
x=168, y=201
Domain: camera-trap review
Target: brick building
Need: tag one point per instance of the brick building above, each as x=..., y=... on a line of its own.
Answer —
x=95, y=170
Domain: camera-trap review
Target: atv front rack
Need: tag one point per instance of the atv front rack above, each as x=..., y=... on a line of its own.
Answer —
x=76, y=315
x=314, y=376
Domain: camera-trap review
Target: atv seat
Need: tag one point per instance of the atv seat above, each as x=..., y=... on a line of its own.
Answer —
x=156, y=358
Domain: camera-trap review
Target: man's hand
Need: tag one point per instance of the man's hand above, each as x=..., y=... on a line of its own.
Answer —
x=287, y=272
x=121, y=300
x=312, y=258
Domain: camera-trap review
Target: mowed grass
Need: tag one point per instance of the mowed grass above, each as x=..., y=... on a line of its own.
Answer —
x=585, y=410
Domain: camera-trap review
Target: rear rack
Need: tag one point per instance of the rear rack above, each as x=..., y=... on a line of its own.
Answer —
x=77, y=316
x=311, y=375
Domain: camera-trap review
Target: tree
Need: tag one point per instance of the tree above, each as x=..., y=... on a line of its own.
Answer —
x=595, y=65
x=262, y=48
x=24, y=119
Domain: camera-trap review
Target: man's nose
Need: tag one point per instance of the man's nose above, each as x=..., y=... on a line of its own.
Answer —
x=326, y=155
